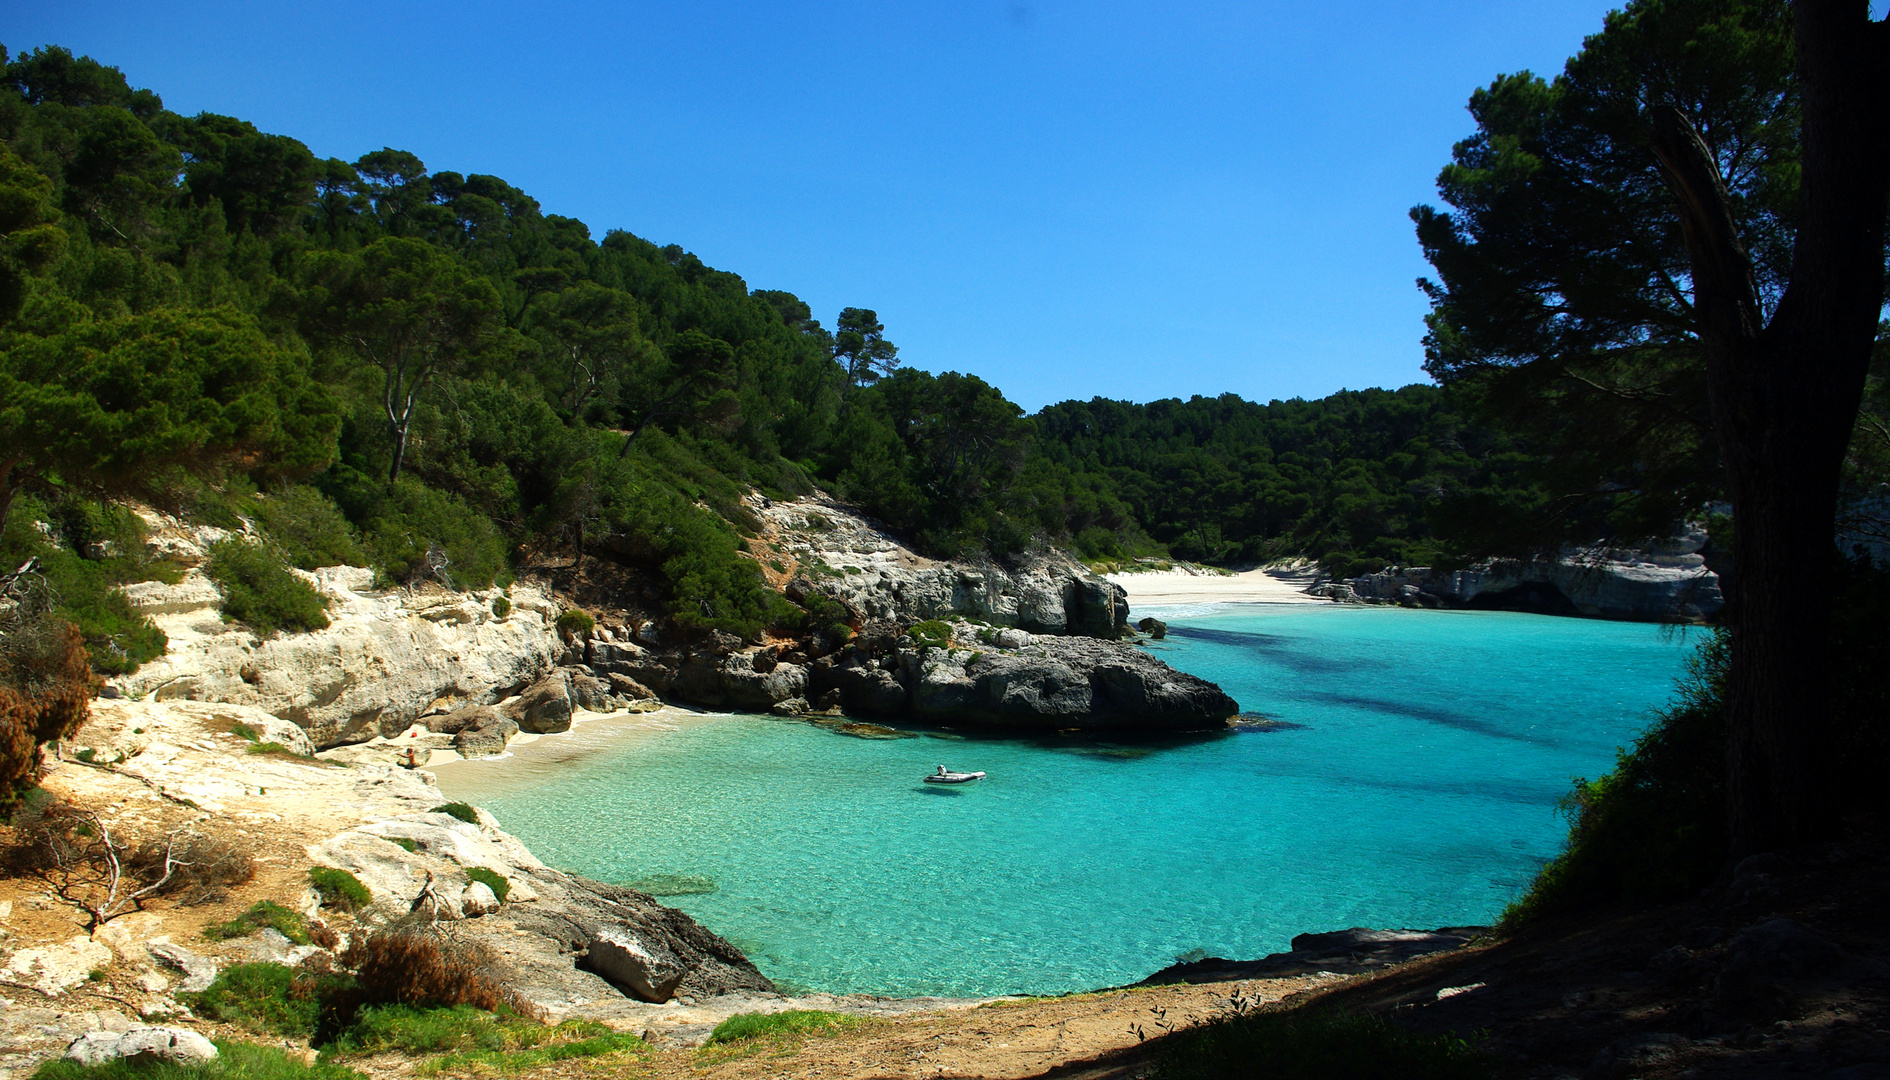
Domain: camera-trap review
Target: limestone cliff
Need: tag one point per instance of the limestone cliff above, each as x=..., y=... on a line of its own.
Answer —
x=386, y=658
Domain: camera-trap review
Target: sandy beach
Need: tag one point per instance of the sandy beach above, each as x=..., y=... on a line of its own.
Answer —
x=530, y=758
x=1266, y=585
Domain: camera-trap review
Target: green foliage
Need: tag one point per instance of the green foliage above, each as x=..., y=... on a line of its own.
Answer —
x=492, y=879
x=266, y=998
x=576, y=622
x=414, y=532
x=501, y=607
x=308, y=529
x=339, y=888
x=460, y=810
x=792, y=1022
x=1654, y=828
x=418, y=1030
x=263, y=914
x=1316, y=1046
x=109, y=403
x=235, y=1061
x=1357, y=480
x=1595, y=359
x=93, y=549
x=259, y=591
x=931, y=634
x=569, y=1041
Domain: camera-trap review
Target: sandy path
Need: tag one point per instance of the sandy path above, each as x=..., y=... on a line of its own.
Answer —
x=1267, y=585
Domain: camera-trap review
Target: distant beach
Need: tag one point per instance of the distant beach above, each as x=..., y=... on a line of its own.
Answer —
x=1266, y=585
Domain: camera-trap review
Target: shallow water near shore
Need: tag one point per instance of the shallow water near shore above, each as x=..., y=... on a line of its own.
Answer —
x=1410, y=780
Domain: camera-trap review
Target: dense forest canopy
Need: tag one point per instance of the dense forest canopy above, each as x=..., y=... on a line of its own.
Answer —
x=442, y=379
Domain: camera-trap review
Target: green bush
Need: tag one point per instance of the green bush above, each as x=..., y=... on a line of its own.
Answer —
x=1319, y=1046
x=744, y=1026
x=235, y=1061
x=576, y=622
x=501, y=607
x=460, y=810
x=1655, y=827
x=268, y=998
x=258, y=589
x=263, y=914
x=492, y=879
x=380, y=1028
x=82, y=576
x=339, y=888
x=309, y=529
x=415, y=532
x=931, y=634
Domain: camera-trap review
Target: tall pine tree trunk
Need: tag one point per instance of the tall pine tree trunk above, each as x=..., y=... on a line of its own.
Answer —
x=1785, y=398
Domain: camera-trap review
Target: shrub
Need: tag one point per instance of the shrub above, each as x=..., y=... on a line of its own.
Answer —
x=576, y=622
x=203, y=866
x=265, y=997
x=744, y=1026
x=259, y=590
x=501, y=607
x=81, y=590
x=416, y=969
x=1653, y=828
x=460, y=810
x=414, y=532
x=1318, y=1046
x=262, y=915
x=309, y=529
x=338, y=888
x=45, y=694
x=235, y=1061
x=931, y=633
x=492, y=879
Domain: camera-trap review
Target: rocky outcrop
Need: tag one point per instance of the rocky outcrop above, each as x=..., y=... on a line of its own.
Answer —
x=1668, y=581
x=559, y=940
x=142, y=1047
x=999, y=677
x=386, y=658
x=858, y=563
x=1344, y=952
x=545, y=706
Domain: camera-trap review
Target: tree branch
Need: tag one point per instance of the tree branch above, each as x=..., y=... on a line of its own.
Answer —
x=1725, y=296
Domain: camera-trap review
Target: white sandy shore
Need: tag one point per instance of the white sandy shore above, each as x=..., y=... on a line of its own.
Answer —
x=1266, y=585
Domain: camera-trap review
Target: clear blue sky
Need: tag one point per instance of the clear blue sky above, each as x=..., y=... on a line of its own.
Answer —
x=1070, y=199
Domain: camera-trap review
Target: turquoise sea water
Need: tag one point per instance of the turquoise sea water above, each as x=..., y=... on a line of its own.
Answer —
x=1415, y=788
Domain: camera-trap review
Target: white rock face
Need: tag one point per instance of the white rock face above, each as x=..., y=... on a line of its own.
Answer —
x=853, y=559
x=385, y=658
x=176, y=1046
x=621, y=956
x=478, y=899
x=55, y=969
x=198, y=971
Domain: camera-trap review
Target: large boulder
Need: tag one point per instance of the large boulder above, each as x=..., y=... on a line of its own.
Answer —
x=649, y=971
x=487, y=738
x=1057, y=683
x=142, y=1046
x=545, y=706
